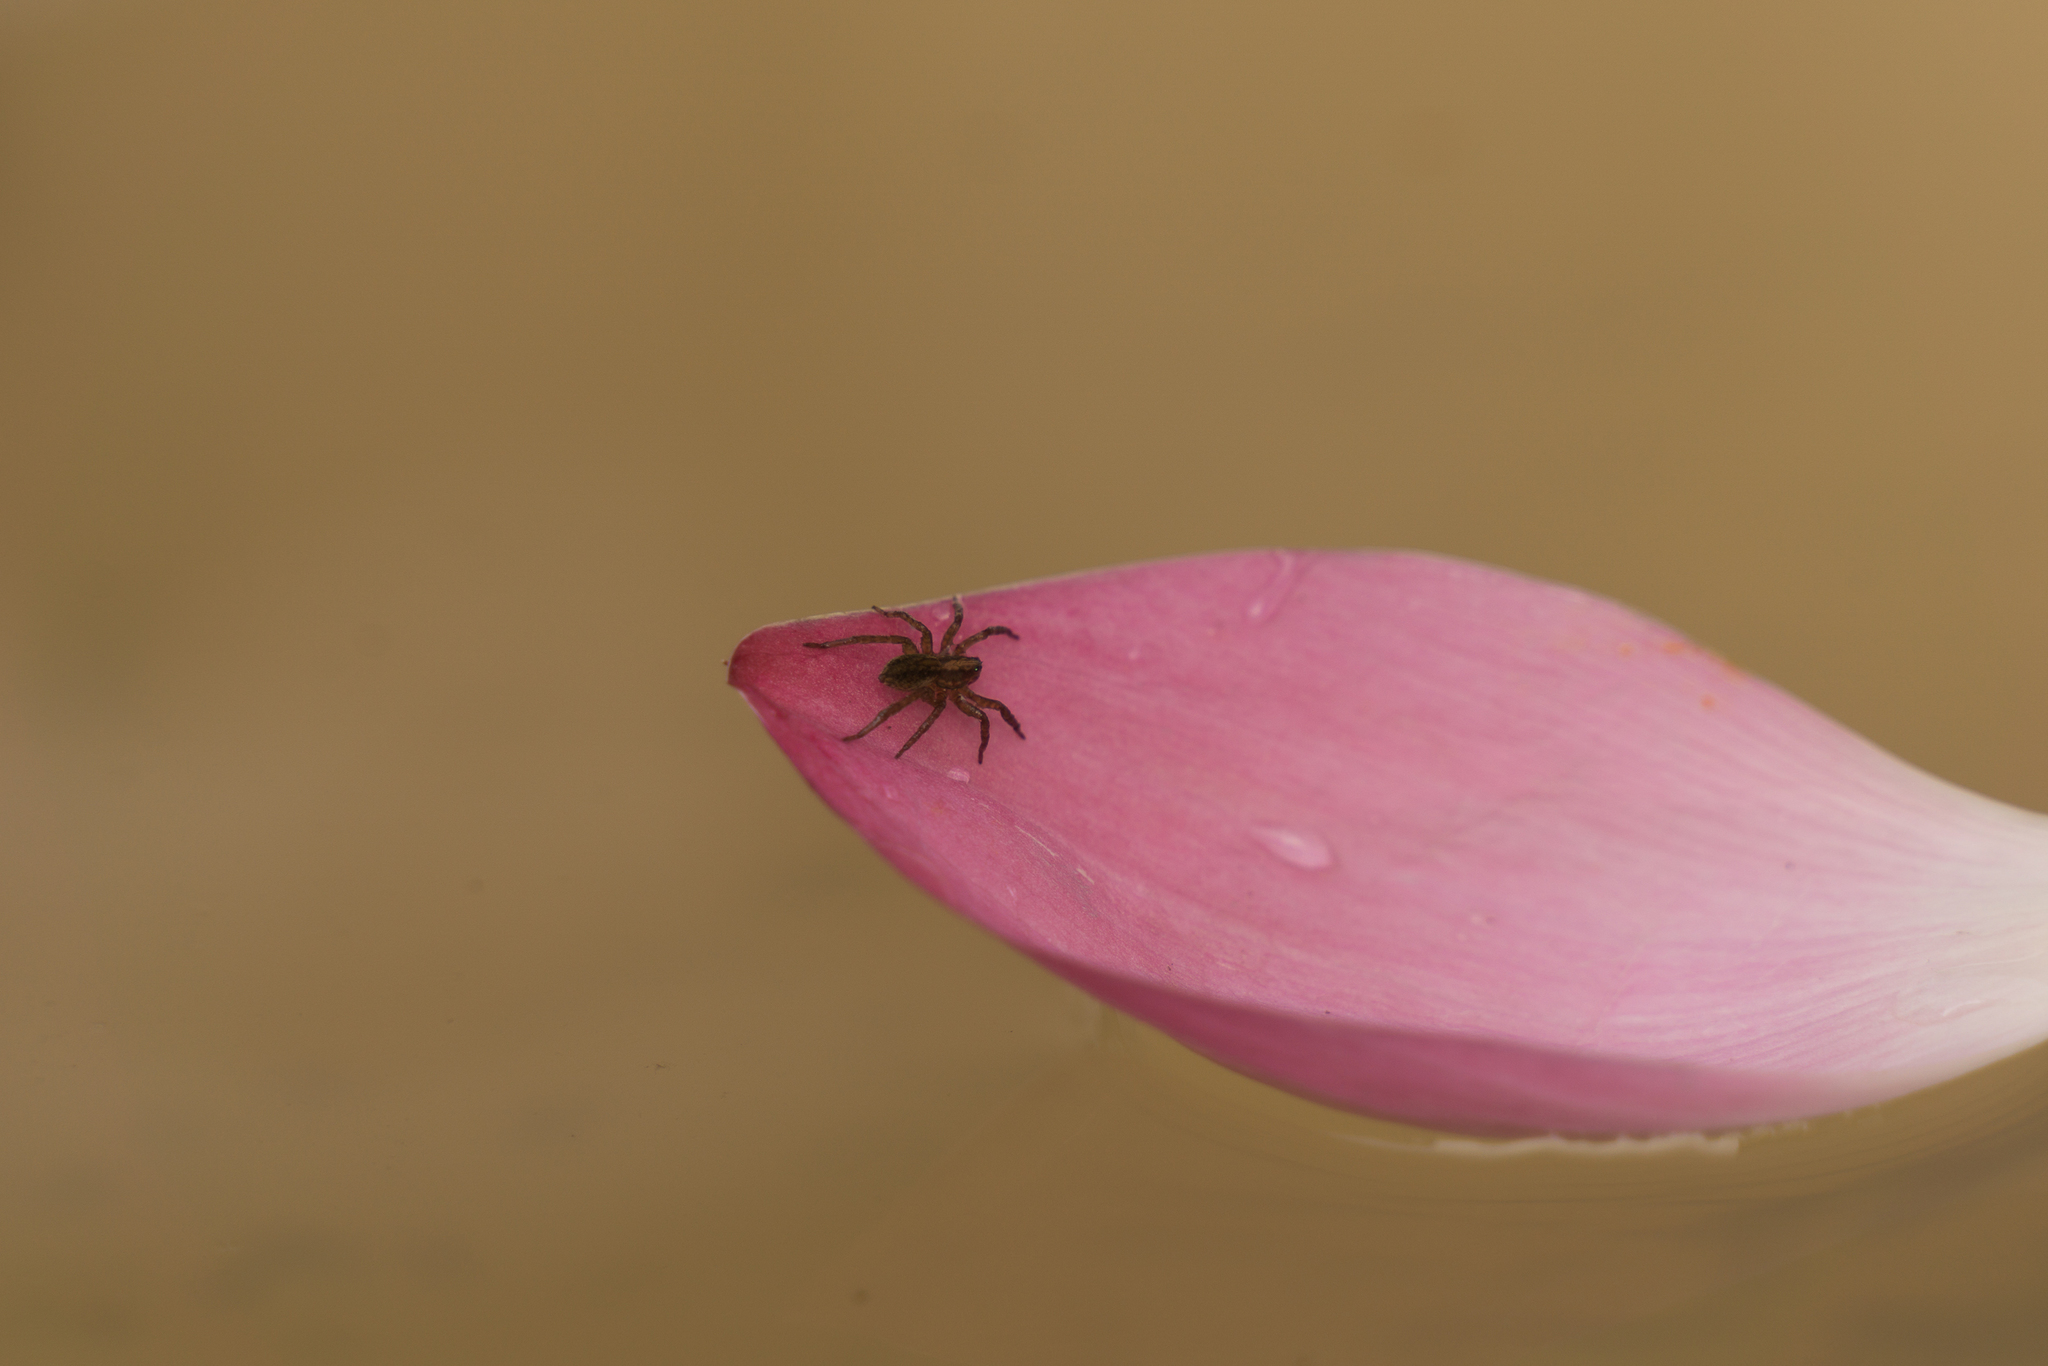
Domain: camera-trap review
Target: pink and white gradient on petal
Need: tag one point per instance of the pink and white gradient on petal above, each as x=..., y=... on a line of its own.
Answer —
x=1437, y=842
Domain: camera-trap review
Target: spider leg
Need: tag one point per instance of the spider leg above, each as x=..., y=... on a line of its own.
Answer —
x=984, y=635
x=969, y=709
x=909, y=646
x=991, y=702
x=883, y=715
x=922, y=629
x=918, y=734
x=958, y=613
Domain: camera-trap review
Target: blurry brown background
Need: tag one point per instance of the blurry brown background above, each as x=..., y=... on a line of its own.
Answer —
x=413, y=953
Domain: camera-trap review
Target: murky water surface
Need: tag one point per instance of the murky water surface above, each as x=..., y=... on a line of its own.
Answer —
x=412, y=953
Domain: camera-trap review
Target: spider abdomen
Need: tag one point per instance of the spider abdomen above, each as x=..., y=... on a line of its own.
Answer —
x=915, y=673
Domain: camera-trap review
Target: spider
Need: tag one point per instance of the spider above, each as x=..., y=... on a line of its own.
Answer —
x=935, y=676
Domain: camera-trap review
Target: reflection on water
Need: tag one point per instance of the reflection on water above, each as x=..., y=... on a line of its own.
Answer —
x=1143, y=1205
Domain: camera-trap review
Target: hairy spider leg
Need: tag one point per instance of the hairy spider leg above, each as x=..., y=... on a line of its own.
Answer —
x=969, y=709
x=909, y=645
x=958, y=613
x=883, y=715
x=918, y=734
x=922, y=629
x=991, y=702
x=980, y=636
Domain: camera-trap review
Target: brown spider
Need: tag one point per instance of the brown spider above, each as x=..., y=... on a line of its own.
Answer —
x=935, y=676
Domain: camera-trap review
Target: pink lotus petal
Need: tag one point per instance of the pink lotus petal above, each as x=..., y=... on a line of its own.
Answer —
x=1437, y=842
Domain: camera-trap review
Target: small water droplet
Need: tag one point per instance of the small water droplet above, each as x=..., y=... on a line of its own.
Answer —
x=1286, y=572
x=959, y=775
x=1297, y=847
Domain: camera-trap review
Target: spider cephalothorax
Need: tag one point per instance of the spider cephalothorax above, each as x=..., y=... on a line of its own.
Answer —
x=939, y=676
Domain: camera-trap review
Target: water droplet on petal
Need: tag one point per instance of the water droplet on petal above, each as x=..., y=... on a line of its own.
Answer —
x=959, y=775
x=1286, y=572
x=1297, y=847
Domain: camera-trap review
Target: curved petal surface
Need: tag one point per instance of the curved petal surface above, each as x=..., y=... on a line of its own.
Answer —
x=1438, y=842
